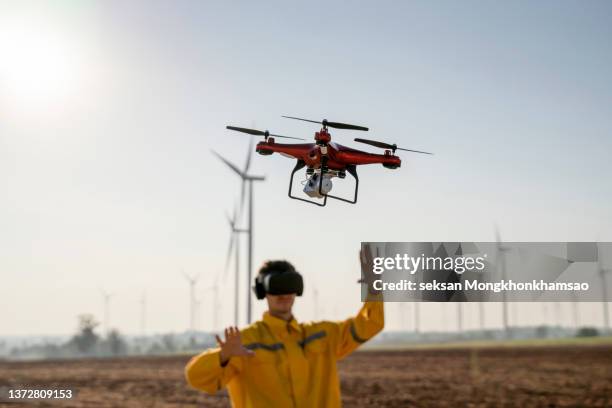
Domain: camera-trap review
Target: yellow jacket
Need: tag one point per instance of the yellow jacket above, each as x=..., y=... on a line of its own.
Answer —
x=294, y=363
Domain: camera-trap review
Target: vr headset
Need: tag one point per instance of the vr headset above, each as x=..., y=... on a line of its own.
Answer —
x=278, y=283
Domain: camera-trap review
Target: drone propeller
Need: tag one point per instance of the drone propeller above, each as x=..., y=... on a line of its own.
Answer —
x=383, y=145
x=327, y=123
x=255, y=132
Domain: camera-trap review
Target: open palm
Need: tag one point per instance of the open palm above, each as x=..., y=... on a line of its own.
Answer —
x=232, y=346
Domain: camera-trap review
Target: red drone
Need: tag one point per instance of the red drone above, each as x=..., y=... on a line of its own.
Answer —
x=325, y=159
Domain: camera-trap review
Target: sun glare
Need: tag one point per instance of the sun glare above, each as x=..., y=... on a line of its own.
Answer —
x=37, y=64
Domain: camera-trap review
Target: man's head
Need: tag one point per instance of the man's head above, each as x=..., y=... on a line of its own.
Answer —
x=279, y=283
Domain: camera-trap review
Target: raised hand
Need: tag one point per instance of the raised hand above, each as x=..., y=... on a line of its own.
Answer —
x=232, y=346
x=367, y=264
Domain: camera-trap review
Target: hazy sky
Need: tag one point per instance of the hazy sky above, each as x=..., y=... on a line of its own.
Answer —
x=108, y=112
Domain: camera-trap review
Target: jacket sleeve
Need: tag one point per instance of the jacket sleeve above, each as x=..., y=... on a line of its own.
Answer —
x=352, y=332
x=204, y=371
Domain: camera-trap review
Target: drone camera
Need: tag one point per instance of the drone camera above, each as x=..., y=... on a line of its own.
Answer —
x=311, y=188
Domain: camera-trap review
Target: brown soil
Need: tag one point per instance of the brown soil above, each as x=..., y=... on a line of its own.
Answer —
x=491, y=377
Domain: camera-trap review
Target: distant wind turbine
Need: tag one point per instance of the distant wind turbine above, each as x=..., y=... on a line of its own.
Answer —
x=106, y=296
x=193, y=280
x=143, y=316
x=234, y=244
x=606, y=306
x=501, y=262
x=246, y=178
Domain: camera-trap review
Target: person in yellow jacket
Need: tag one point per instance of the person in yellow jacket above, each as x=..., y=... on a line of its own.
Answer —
x=278, y=362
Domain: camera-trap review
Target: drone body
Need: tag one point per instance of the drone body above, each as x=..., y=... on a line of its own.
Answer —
x=338, y=157
x=325, y=159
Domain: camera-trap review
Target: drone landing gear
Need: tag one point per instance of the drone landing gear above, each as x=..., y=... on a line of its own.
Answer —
x=352, y=170
x=299, y=165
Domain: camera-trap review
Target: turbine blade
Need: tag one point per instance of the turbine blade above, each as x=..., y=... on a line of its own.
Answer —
x=235, y=215
x=229, y=164
x=230, y=220
x=248, y=159
x=229, y=252
x=242, y=188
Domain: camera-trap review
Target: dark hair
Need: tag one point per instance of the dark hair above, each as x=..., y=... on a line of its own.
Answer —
x=276, y=266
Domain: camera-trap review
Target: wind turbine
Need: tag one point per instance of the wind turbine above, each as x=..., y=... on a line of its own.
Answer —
x=193, y=280
x=246, y=178
x=501, y=260
x=575, y=314
x=143, y=311
x=557, y=307
x=602, y=275
x=106, y=296
x=234, y=243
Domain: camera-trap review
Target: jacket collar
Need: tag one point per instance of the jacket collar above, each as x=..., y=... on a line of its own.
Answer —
x=280, y=326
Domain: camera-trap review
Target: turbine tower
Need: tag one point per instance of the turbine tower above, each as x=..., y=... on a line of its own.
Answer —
x=234, y=243
x=143, y=314
x=246, y=178
x=192, y=280
x=501, y=261
x=602, y=275
x=106, y=296
x=575, y=313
